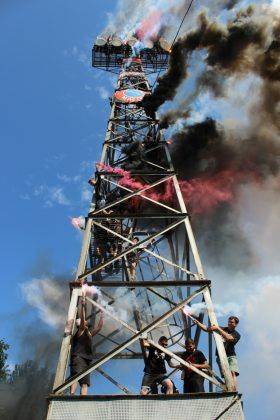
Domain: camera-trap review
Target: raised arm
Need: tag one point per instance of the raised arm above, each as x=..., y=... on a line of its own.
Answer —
x=96, y=330
x=212, y=328
x=202, y=326
x=82, y=326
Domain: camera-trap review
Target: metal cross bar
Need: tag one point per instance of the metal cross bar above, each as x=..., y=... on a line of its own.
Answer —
x=113, y=381
x=133, y=194
x=111, y=315
x=126, y=251
x=146, y=249
x=184, y=363
x=158, y=203
x=154, y=164
x=120, y=255
x=139, y=216
x=127, y=343
x=149, y=283
x=111, y=334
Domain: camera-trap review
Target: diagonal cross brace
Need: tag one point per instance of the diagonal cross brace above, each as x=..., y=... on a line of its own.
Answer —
x=186, y=364
x=133, y=194
x=120, y=255
x=173, y=355
x=113, y=381
x=127, y=343
x=145, y=197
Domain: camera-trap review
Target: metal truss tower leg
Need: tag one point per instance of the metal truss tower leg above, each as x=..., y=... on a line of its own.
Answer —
x=138, y=246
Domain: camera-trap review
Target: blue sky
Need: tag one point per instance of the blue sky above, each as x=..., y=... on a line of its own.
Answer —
x=52, y=117
x=53, y=114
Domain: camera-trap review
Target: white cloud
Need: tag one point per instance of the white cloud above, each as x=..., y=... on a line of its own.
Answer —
x=77, y=53
x=38, y=190
x=57, y=196
x=83, y=58
x=86, y=194
x=54, y=160
x=87, y=87
x=51, y=195
x=68, y=179
x=25, y=196
x=103, y=92
x=87, y=165
x=63, y=177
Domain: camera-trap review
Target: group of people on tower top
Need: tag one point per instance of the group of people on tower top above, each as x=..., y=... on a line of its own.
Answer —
x=155, y=372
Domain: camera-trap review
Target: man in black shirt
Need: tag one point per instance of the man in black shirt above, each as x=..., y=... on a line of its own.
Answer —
x=231, y=338
x=193, y=382
x=81, y=354
x=155, y=370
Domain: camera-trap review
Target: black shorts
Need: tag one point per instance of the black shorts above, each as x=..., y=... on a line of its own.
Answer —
x=193, y=383
x=151, y=380
x=77, y=365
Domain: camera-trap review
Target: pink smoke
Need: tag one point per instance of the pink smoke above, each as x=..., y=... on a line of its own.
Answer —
x=78, y=222
x=187, y=310
x=202, y=195
x=129, y=182
x=90, y=291
x=150, y=26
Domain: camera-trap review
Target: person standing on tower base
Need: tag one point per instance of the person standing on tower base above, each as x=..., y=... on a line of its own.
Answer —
x=193, y=382
x=81, y=354
x=231, y=338
x=155, y=371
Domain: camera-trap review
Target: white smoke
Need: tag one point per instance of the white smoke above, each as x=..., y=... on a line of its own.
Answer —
x=47, y=295
x=166, y=16
x=220, y=309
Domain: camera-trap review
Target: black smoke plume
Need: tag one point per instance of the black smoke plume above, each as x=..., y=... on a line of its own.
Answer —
x=205, y=149
x=23, y=396
x=240, y=47
x=170, y=117
x=209, y=80
x=164, y=90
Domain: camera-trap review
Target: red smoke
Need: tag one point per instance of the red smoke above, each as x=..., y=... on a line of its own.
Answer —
x=204, y=194
x=201, y=195
x=149, y=27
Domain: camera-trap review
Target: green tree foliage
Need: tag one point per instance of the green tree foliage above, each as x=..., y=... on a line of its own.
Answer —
x=3, y=358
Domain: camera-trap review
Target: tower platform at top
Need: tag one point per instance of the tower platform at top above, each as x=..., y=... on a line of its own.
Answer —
x=109, y=53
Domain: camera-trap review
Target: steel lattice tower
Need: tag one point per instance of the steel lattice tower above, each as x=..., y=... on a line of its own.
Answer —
x=137, y=195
